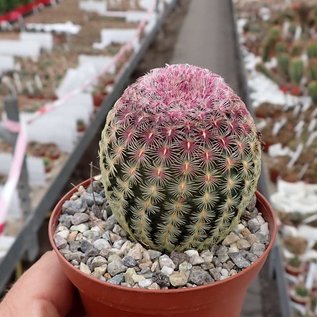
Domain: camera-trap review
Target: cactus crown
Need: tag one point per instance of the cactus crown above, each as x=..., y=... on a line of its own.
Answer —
x=180, y=158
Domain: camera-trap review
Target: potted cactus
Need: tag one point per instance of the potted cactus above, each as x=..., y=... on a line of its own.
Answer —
x=180, y=158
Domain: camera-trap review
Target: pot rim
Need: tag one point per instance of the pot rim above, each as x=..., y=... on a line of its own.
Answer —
x=57, y=211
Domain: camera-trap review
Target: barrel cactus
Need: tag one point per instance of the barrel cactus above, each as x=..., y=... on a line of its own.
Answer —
x=180, y=159
x=296, y=70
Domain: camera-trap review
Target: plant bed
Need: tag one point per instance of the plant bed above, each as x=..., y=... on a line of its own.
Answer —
x=196, y=242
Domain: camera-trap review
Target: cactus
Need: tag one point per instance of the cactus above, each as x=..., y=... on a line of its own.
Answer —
x=312, y=91
x=283, y=64
x=297, y=49
x=312, y=50
x=269, y=42
x=280, y=47
x=312, y=69
x=296, y=70
x=180, y=159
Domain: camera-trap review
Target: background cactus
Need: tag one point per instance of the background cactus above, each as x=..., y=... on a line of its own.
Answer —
x=312, y=91
x=296, y=70
x=312, y=69
x=283, y=64
x=180, y=159
x=312, y=50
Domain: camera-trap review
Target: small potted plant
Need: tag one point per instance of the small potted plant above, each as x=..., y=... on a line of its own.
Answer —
x=48, y=164
x=52, y=151
x=81, y=126
x=300, y=295
x=173, y=211
x=295, y=266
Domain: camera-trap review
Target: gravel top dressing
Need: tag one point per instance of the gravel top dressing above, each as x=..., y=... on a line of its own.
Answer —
x=90, y=238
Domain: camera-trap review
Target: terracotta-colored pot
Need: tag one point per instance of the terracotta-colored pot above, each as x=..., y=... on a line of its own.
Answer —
x=223, y=298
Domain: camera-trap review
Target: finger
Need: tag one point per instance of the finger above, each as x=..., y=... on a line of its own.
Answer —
x=42, y=291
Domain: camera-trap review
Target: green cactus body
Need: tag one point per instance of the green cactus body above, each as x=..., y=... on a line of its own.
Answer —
x=296, y=70
x=312, y=50
x=283, y=64
x=180, y=159
x=312, y=69
x=280, y=47
x=296, y=50
x=312, y=91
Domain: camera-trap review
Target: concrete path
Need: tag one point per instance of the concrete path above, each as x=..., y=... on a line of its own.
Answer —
x=206, y=39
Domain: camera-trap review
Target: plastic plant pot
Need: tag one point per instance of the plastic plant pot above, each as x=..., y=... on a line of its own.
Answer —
x=222, y=298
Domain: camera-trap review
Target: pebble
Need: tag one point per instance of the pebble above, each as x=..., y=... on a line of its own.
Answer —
x=199, y=277
x=239, y=260
x=91, y=235
x=79, y=218
x=117, y=279
x=154, y=286
x=179, y=278
x=86, y=246
x=254, y=225
x=154, y=254
x=63, y=233
x=101, y=244
x=145, y=283
x=91, y=199
x=161, y=279
x=70, y=207
x=207, y=256
x=167, y=270
x=91, y=239
x=257, y=249
x=136, y=252
x=194, y=257
x=98, y=261
x=81, y=228
x=178, y=258
x=252, y=238
x=119, y=231
x=222, y=254
x=243, y=244
x=155, y=266
x=215, y=274
x=230, y=239
x=84, y=268
x=264, y=229
x=116, y=267
x=110, y=222
x=65, y=220
x=74, y=256
x=72, y=236
x=165, y=260
x=128, y=276
x=114, y=237
x=101, y=270
x=129, y=261
x=60, y=242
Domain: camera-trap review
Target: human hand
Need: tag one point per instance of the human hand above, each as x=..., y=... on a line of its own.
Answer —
x=42, y=291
